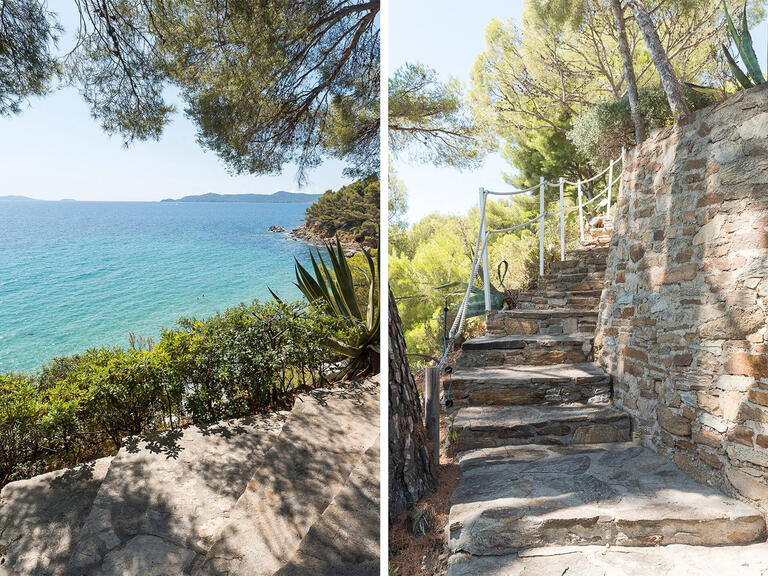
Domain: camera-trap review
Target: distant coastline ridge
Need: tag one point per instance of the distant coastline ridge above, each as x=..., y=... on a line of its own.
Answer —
x=280, y=197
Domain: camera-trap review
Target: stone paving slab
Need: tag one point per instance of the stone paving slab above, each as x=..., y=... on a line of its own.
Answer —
x=673, y=560
x=488, y=426
x=44, y=516
x=549, y=313
x=345, y=540
x=167, y=494
x=511, y=342
x=530, y=384
x=518, y=497
x=323, y=439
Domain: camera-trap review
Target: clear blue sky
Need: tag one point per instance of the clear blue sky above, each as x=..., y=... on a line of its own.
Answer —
x=55, y=150
x=448, y=35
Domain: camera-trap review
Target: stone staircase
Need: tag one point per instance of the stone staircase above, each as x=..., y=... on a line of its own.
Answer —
x=550, y=477
x=256, y=496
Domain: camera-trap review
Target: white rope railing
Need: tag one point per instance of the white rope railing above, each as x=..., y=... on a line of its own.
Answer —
x=481, y=246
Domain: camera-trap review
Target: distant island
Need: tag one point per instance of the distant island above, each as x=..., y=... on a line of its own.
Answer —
x=281, y=197
x=13, y=198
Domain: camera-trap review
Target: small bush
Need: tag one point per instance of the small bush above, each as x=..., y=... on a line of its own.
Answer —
x=600, y=133
x=246, y=358
x=21, y=438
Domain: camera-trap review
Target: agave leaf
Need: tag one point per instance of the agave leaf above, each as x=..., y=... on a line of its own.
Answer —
x=274, y=295
x=729, y=23
x=333, y=286
x=706, y=90
x=742, y=78
x=747, y=51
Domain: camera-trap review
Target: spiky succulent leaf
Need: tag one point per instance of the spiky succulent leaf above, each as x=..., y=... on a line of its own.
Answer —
x=742, y=78
x=747, y=51
x=333, y=288
x=713, y=93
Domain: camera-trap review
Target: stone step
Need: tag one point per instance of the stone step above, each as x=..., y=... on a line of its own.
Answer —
x=517, y=497
x=319, y=446
x=44, y=516
x=528, y=384
x=582, y=267
x=551, y=321
x=547, y=302
x=594, y=282
x=673, y=560
x=167, y=494
x=595, y=253
x=345, y=540
x=513, y=350
x=490, y=426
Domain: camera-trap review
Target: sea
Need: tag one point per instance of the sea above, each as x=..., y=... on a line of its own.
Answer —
x=76, y=275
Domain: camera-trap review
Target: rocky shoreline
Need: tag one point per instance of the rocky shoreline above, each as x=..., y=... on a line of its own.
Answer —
x=310, y=235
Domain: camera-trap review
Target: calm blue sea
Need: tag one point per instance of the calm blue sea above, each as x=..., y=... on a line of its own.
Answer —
x=74, y=275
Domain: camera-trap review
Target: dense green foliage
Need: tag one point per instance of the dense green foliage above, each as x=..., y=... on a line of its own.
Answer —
x=536, y=77
x=247, y=359
x=28, y=33
x=600, y=132
x=333, y=289
x=429, y=121
x=351, y=212
x=267, y=82
x=438, y=250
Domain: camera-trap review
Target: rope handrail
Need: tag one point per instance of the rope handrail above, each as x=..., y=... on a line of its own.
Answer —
x=481, y=245
x=511, y=192
x=588, y=180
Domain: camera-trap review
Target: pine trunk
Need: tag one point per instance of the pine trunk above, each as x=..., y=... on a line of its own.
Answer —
x=669, y=81
x=411, y=475
x=629, y=70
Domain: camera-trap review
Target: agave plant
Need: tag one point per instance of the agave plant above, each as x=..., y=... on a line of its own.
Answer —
x=743, y=41
x=333, y=288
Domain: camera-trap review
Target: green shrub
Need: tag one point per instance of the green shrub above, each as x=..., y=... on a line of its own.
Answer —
x=21, y=438
x=600, y=133
x=247, y=359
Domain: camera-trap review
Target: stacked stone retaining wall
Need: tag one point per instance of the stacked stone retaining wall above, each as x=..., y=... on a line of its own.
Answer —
x=682, y=324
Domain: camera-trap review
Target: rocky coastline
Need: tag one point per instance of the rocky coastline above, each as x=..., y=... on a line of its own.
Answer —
x=312, y=235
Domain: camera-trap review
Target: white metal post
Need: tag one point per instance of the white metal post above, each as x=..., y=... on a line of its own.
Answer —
x=541, y=226
x=610, y=185
x=484, y=248
x=581, y=214
x=562, y=221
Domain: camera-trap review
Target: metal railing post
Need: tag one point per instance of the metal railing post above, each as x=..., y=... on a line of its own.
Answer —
x=562, y=221
x=541, y=226
x=484, y=248
x=581, y=213
x=610, y=185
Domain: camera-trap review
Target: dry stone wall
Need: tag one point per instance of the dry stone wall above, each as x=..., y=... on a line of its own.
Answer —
x=682, y=325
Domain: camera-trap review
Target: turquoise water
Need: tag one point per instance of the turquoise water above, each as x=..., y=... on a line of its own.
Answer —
x=79, y=274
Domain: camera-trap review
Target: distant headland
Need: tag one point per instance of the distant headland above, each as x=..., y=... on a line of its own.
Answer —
x=281, y=197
